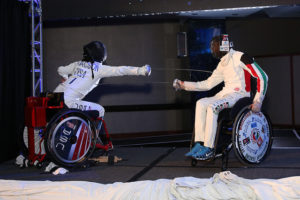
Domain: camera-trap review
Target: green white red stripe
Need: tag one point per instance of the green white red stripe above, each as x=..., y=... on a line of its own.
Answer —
x=260, y=75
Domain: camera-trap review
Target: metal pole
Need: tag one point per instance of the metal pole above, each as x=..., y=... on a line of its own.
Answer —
x=41, y=49
x=32, y=48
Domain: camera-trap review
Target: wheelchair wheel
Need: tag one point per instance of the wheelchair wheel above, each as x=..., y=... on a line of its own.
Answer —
x=252, y=136
x=38, y=141
x=70, y=138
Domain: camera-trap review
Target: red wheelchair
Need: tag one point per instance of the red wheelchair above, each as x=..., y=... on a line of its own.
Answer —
x=68, y=137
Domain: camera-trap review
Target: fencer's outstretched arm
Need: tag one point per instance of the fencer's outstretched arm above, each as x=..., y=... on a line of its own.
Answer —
x=205, y=85
x=110, y=71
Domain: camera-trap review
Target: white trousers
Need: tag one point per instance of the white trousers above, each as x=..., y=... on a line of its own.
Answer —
x=206, y=115
x=85, y=105
x=73, y=100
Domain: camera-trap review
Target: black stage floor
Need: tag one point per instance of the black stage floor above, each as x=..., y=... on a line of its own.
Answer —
x=163, y=157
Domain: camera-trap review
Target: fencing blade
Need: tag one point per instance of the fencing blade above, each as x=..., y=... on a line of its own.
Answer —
x=178, y=69
x=144, y=83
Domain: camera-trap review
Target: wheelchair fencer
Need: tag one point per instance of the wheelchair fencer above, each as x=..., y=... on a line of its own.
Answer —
x=68, y=137
x=248, y=133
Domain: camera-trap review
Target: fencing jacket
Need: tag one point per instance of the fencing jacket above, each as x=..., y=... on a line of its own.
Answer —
x=79, y=81
x=235, y=69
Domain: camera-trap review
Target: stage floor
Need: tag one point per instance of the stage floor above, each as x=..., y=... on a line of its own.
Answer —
x=157, y=160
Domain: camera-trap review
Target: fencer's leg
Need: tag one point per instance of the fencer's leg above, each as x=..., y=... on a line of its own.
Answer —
x=200, y=117
x=207, y=151
x=211, y=126
x=85, y=105
x=213, y=111
x=99, y=122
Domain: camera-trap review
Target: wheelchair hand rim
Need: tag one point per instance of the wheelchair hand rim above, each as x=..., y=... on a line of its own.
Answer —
x=79, y=148
x=252, y=136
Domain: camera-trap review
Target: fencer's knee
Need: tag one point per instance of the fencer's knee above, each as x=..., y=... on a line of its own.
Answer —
x=212, y=108
x=201, y=103
x=101, y=111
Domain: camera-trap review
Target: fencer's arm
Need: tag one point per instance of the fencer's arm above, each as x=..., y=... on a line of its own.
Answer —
x=262, y=85
x=260, y=94
x=208, y=84
x=65, y=71
x=110, y=71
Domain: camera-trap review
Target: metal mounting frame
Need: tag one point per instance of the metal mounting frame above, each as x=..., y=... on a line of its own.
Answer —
x=35, y=13
x=36, y=47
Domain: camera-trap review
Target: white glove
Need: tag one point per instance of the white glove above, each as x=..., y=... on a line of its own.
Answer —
x=145, y=70
x=178, y=84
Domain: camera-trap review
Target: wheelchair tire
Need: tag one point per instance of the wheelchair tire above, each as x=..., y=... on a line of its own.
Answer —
x=252, y=136
x=38, y=141
x=70, y=138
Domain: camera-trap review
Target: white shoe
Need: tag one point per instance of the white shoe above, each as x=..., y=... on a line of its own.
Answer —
x=21, y=161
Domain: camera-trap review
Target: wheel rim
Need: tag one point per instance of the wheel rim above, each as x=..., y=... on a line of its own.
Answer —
x=252, y=136
x=71, y=140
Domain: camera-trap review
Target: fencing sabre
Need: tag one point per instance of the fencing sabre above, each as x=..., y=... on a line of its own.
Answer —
x=172, y=69
x=167, y=69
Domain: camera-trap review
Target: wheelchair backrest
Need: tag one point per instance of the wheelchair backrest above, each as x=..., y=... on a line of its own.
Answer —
x=55, y=98
x=55, y=103
x=253, y=87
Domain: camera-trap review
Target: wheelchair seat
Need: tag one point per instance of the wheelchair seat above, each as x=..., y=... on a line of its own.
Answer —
x=230, y=113
x=94, y=114
x=54, y=104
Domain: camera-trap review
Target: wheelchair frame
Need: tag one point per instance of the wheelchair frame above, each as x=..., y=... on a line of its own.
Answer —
x=38, y=111
x=233, y=116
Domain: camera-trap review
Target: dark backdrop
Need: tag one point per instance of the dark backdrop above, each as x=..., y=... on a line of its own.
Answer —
x=14, y=73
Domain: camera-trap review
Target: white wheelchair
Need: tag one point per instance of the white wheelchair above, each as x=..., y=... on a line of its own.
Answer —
x=248, y=133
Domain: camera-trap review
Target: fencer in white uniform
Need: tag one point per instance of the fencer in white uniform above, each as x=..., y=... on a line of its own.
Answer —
x=235, y=69
x=81, y=77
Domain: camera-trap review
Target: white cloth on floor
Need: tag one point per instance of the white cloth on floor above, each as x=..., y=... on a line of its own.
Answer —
x=224, y=185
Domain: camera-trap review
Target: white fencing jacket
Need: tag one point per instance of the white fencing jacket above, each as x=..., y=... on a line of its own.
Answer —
x=235, y=69
x=79, y=81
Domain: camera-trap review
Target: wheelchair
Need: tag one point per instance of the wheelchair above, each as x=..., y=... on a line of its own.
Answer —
x=68, y=137
x=248, y=133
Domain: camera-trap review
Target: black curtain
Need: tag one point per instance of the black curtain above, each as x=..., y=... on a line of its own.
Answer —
x=14, y=73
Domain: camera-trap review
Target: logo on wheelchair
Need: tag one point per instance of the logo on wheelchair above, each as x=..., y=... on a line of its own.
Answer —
x=253, y=136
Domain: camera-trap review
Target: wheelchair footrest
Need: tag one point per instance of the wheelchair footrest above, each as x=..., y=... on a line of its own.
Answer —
x=110, y=159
